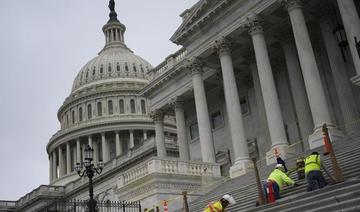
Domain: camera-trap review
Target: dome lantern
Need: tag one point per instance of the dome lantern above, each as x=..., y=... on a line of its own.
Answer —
x=113, y=30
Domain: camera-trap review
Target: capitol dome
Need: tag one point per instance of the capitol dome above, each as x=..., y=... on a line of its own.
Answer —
x=105, y=111
x=115, y=63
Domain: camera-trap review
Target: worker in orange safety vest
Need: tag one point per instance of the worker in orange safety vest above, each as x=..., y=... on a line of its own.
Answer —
x=219, y=206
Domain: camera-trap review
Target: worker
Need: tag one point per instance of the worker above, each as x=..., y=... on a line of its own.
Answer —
x=314, y=176
x=278, y=178
x=219, y=206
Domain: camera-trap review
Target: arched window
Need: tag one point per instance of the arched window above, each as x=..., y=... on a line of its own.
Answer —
x=67, y=119
x=73, y=117
x=101, y=69
x=134, y=68
x=126, y=67
x=132, y=106
x=117, y=67
x=80, y=114
x=110, y=107
x=143, y=108
x=99, y=109
x=121, y=106
x=109, y=68
x=89, y=111
x=94, y=70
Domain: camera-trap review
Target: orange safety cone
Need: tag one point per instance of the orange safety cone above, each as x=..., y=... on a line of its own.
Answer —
x=270, y=191
x=327, y=145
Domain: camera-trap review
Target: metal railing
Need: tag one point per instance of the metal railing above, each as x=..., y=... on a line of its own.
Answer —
x=81, y=206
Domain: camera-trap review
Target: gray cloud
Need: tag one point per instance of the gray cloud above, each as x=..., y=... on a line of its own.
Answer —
x=43, y=45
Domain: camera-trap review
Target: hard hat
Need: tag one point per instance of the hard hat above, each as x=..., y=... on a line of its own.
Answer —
x=229, y=198
x=279, y=166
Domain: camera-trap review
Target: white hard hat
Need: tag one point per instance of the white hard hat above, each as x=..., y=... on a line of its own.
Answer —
x=229, y=198
x=279, y=166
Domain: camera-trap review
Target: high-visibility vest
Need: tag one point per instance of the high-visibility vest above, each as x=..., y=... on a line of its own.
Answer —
x=312, y=163
x=214, y=207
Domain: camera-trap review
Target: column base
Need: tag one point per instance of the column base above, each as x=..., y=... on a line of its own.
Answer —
x=241, y=167
x=356, y=80
x=283, y=150
x=316, y=139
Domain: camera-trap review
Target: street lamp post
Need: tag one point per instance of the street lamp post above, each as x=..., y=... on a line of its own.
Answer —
x=89, y=171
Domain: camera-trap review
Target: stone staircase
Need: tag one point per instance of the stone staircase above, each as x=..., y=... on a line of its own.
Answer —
x=344, y=196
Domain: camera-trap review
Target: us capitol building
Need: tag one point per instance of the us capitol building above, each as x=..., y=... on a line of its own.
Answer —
x=254, y=78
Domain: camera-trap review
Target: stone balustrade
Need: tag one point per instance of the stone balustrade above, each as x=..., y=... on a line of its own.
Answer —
x=43, y=190
x=168, y=166
x=169, y=62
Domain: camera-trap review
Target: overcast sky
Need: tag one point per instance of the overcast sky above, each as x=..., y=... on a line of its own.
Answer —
x=43, y=45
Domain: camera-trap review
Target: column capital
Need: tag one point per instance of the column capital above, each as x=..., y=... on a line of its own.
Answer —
x=177, y=102
x=222, y=46
x=196, y=66
x=157, y=115
x=291, y=4
x=254, y=25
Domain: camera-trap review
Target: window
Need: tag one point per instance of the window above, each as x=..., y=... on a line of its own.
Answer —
x=244, y=105
x=216, y=120
x=121, y=106
x=110, y=107
x=94, y=70
x=89, y=111
x=67, y=119
x=194, y=131
x=99, y=109
x=109, y=68
x=80, y=114
x=117, y=67
x=134, y=68
x=143, y=108
x=101, y=69
x=132, y=106
x=73, y=117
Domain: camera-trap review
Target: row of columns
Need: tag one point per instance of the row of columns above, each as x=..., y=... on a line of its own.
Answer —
x=305, y=81
x=61, y=164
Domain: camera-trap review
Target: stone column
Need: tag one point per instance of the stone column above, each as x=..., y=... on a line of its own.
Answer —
x=96, y=151
x=61, y=162
x=117, y=143
x=105, y=150
x=50, y=168
x=279, y=144
x=68, y=158
x=342, y=83
x=54, y=169
x=298, y=90
x=318, y=105
x=202, y=113
x=131, y=140
x=145, y=134
x=242, y=161
x=90, y=142
x=351, y=23
x=78, y=151
x=181, y=129
x=263, y=135
x=158, y=118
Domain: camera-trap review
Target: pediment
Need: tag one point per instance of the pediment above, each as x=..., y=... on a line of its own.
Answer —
x=197, y=16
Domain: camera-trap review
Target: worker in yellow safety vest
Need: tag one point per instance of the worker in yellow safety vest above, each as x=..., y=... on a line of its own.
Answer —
x=278, y=178
x=219, y=206
x=313, y=172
